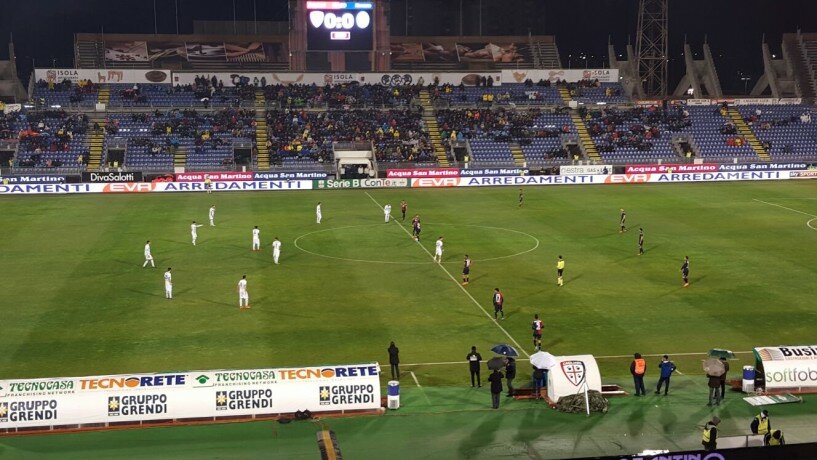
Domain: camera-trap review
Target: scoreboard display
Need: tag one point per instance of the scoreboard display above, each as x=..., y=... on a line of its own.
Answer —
x=339, y=26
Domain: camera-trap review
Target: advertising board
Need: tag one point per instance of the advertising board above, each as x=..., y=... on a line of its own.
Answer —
x=572, y=170
x=788, y=367
x=187, y=395
x=361, y=183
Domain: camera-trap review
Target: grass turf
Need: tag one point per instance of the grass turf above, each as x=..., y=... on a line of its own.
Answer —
x=76, y=300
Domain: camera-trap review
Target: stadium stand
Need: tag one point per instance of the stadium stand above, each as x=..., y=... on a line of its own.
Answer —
x=305, y=137
x=786, y=131
x=52, y=139
x=66, y=94
x=205, y=139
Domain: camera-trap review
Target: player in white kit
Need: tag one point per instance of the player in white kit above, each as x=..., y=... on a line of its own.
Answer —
x=243, y=295
x=256, y=239
x=193, y=233
x=276, y=250
x=438, y=250
x=318, y=215
x=148, y=256
x=387, y=212
x=168, y=285
x=212, y=215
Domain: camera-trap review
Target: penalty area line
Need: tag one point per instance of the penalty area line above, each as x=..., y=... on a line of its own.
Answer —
x=519, y=347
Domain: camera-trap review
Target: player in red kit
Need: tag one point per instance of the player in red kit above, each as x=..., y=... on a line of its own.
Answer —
x=403, y=209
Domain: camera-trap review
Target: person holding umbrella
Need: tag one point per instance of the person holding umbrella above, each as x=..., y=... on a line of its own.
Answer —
x=723, y=377
x=714, y=369
x=510, y=374
x=541, y=362
x=474, y=359
x=496, y=387
x=714, y=390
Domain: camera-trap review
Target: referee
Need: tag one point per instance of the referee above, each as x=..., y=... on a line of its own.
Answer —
x=560, y=269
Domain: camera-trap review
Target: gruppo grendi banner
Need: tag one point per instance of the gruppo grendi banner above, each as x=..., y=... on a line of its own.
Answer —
x=187, y=395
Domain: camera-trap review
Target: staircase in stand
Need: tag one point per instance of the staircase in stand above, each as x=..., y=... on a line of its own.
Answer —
x=180, y=157
x=430, y=120
x=587, y=143
x=261, y=130
x=95, y=143
x=746, y=132
x=518, y=155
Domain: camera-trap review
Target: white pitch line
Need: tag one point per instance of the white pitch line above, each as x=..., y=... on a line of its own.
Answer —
x=519, y=347
x=784, y=207
x=416, y=382
x=449, y=363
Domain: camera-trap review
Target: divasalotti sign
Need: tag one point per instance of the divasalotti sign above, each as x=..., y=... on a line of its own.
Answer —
x=94, y=177
x=187, y=395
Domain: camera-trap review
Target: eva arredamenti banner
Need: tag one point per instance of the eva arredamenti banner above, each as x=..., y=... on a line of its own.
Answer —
x=187, y=395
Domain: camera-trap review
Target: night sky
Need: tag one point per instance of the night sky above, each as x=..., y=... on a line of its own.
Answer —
x=43, y=29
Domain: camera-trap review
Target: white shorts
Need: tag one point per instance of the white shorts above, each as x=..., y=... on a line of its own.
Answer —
x=148, y=257
x=244, y=295
x=256, y=241
x=438, y=252
x=276, y=253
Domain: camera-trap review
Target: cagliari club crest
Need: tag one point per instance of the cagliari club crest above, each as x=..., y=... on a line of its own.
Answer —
x=574, y=371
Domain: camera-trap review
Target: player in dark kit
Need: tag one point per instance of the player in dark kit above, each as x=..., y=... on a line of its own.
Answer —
x=685, y=271
x=403, y=208
x=621, y=220
x=415, y=223
x=640, y=241
x=537, y=327
x=521, y=197
x=499, y=300
x=466, y=270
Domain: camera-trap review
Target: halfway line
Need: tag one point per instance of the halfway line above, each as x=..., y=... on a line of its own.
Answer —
x=519, y=347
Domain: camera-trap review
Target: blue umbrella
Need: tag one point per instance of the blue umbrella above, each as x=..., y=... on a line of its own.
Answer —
x=505, y=350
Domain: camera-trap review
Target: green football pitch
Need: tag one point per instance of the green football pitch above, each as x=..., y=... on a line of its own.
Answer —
x=77, y=301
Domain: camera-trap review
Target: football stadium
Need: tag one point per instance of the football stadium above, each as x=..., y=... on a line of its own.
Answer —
x=408, y=229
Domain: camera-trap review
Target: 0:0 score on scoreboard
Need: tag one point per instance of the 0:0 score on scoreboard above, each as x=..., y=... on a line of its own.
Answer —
x=339, y=26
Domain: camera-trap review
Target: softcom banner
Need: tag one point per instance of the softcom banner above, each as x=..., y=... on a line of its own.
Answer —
x=187, y=395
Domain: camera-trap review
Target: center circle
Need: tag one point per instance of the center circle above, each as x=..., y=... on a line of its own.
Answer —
x=392, y=244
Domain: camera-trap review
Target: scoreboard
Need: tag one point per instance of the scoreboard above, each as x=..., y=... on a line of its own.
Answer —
x=339, y=26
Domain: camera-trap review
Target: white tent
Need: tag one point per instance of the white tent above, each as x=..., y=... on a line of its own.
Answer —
x=569, y=375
